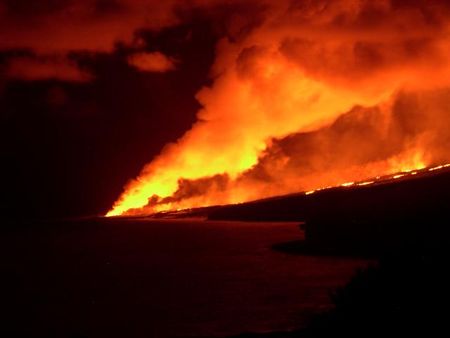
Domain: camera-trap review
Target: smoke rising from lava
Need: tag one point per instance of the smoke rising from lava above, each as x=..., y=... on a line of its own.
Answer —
x=309, y=94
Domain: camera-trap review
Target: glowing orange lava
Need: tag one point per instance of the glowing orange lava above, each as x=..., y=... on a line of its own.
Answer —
x=402, y=167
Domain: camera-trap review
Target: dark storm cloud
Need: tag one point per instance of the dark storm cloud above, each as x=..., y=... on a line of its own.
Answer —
x=52, y=30
x=61, y=26
x=32, y=68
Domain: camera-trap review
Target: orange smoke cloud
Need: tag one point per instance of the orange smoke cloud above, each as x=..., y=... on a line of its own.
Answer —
x=303, y=70
x=151, y=62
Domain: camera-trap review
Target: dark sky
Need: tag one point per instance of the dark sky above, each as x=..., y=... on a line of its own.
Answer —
x=68, y=147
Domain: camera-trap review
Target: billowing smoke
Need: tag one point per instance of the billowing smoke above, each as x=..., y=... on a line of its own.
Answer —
x=309, y=94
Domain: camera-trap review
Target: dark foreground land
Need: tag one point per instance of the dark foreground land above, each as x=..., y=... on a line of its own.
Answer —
x=235, y=274
x=166, y=278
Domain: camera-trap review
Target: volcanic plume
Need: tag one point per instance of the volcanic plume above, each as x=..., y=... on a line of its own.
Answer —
x=308, y=94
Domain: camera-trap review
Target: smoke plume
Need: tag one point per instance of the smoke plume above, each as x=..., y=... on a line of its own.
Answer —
x=308, y=94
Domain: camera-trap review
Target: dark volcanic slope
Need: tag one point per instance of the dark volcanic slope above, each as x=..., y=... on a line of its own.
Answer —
x=395, y=196
x=396, y=210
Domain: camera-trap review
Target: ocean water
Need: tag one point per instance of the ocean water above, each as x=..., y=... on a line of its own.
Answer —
x=165, y=278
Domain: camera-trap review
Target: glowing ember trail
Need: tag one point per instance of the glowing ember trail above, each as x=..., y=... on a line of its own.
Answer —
x=300, y=102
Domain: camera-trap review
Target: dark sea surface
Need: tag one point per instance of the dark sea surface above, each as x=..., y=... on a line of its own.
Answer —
x=164, y=278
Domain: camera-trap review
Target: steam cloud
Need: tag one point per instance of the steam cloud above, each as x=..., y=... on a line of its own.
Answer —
x=305, y=94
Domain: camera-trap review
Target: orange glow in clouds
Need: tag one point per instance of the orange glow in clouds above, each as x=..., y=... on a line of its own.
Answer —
x=300, y=104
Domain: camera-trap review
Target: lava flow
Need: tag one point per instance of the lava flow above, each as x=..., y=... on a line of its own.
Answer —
x=313, y=95
x=383, y=179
